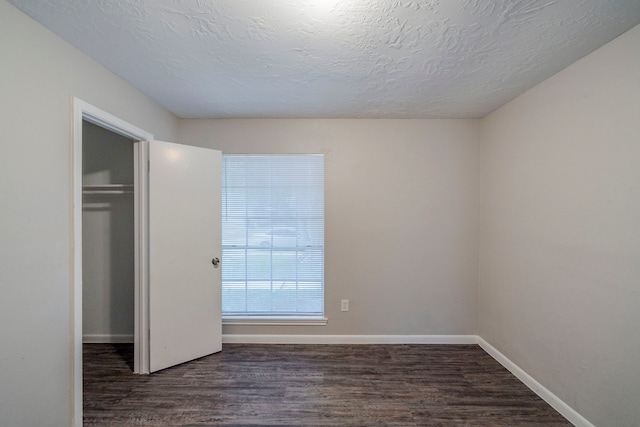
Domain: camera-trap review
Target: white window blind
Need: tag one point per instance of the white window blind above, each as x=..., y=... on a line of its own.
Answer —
x=272, y=235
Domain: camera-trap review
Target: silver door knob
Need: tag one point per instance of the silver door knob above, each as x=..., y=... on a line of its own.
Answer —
x=215, y=262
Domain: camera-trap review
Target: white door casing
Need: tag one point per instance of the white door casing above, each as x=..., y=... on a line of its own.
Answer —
x=185, y=312
x=83, y=111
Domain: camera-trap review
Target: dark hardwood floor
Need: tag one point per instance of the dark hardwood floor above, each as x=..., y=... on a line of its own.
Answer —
x=312, y=385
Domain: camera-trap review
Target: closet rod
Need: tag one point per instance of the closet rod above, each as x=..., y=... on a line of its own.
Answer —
x=107, y=189
x=107, y=192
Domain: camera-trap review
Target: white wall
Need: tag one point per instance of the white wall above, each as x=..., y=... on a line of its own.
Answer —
x=39, y=75
x=107, y=238
x=560, y=242
x=401, y=217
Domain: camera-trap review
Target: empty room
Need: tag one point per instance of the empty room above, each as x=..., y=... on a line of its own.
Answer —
x=321, y=212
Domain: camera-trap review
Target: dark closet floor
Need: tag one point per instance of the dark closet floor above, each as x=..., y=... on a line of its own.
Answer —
x=312, y=385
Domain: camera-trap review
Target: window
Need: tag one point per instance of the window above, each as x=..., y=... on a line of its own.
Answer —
x=272, y=236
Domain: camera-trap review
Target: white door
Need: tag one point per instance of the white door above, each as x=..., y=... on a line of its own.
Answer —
x=185, y=311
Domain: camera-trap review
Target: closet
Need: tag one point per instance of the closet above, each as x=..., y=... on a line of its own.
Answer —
x=149, y=243
x=107, y=236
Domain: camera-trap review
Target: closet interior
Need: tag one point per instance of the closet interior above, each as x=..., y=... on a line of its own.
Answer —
x=107, y=236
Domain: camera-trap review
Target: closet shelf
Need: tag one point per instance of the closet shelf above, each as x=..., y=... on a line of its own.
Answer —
x=113, y=189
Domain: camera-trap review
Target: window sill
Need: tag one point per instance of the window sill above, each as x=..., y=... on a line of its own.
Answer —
x=275, y=321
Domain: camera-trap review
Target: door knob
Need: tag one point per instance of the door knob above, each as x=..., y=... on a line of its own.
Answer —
x=215, y=262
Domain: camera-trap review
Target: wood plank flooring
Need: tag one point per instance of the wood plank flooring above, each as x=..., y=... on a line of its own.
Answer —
x=312, y=385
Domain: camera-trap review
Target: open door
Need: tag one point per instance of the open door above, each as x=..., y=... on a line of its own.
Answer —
x=185, y=312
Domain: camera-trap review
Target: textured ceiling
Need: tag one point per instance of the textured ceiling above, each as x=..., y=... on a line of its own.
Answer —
x=335, y=58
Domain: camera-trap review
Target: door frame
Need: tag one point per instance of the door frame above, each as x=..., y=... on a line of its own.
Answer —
x=85, y=111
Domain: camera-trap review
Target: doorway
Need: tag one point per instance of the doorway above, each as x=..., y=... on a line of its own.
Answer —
x=108, y=238
x=176, y=245
x=87, y=115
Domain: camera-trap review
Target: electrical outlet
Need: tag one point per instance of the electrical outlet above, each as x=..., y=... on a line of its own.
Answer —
x=344, y=305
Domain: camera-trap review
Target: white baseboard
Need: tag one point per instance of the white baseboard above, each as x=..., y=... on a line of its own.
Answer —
x=558, y=404
x=349, y=339
x=107, y=338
